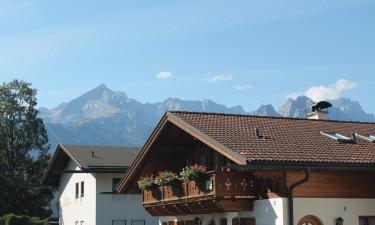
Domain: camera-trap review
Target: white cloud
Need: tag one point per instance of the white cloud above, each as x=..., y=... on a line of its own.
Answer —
x=333, y=91
x=221, y=77
x=163, y=75
x=243, y=87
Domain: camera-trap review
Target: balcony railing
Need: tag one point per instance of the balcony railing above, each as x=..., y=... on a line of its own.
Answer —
x=220, y=191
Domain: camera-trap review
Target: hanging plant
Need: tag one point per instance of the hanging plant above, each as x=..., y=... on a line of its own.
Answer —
x=146, y=183
x=166, y=178
x=193, y=172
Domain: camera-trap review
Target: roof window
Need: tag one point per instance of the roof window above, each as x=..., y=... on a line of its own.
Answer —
x=338, y=137
x=366, y=137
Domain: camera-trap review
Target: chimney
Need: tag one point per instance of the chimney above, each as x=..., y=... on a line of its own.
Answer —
x=318, y=112
x=92, y=153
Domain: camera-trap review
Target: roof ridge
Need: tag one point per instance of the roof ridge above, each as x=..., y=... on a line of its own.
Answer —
x=271, y=117
x=100, y=146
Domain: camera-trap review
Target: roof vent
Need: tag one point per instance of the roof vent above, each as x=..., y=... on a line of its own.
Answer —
x=338, y=137
x=366, y=137
x=319, y=110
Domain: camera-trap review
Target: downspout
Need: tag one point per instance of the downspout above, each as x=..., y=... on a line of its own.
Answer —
x=290, y=195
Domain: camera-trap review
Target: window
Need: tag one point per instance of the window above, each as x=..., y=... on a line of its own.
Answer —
x=137, y=222
x=118, y=222
x=223, y=221
x=367, y=220
x=82, y=188
x=243, y=221
x=77, y=192
x=338, y=137
x=115, y=182
x=77, y=223
x=366, y=137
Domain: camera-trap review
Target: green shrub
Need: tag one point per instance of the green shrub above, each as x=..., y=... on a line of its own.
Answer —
x=193, y=172
x=166, y=178
x=11, y=219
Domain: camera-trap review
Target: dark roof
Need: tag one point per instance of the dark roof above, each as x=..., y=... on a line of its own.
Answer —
x=89, y=158
x=104, y=156
x=282, y=141
x=285, y=139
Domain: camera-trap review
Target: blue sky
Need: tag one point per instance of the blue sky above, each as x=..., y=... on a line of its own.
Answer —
x=233, y=52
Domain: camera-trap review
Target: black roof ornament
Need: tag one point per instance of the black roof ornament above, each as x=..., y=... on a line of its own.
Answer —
x=321, y=105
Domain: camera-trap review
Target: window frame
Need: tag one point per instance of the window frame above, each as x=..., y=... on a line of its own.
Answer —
x=131, y=221
x=336, y=136
x=77, y=190
x=82, y=189
x=366, y=137
x=366, y=218
x=119, y=221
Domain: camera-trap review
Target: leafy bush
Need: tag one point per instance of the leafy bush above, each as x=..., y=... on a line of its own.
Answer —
x=166, y=178
x=193, y=172
x=11, y=219
x=146, y=183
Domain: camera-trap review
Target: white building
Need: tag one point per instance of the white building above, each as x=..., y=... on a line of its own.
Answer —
x=86, y=178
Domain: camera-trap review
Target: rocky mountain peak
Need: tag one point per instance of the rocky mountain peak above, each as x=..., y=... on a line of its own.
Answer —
x=266, y=110
x=295, y=107
x=105, y=117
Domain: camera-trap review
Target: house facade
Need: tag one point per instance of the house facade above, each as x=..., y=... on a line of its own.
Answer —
x=85, y=178
x=259, y=170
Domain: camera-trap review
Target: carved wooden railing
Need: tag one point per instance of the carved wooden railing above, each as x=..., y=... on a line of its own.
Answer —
x=218, y=186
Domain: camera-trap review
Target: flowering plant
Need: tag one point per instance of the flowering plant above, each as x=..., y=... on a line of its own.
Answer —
x=193, y=172
x=166, y=178
x=146, y=183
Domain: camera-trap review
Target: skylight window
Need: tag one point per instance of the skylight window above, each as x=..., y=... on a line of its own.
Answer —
x=337, y=137
x=366, y=137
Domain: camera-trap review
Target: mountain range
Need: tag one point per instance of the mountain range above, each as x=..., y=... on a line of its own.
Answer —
x=102, y=116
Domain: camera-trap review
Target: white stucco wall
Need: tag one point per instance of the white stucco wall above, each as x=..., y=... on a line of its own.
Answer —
x=265, y=212
x=95, y=208
x=83, y=208
x=118, y=207
x=275, y=211
x=328, y=209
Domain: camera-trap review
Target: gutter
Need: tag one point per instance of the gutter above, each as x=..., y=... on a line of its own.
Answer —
x=312, y=166
x=290, y=195
x=90, y=171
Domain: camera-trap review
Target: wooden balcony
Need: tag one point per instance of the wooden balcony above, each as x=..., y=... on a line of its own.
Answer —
x=224, y=191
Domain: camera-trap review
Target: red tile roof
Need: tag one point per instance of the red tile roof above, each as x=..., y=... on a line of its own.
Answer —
x=285, y=139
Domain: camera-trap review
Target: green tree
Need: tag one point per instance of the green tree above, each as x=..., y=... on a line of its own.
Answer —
x=23, y=152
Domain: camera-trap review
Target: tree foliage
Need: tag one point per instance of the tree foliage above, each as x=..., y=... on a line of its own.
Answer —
x=11, y=219
x=23, y=152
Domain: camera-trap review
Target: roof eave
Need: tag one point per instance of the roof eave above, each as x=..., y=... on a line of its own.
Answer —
x=289, y=165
